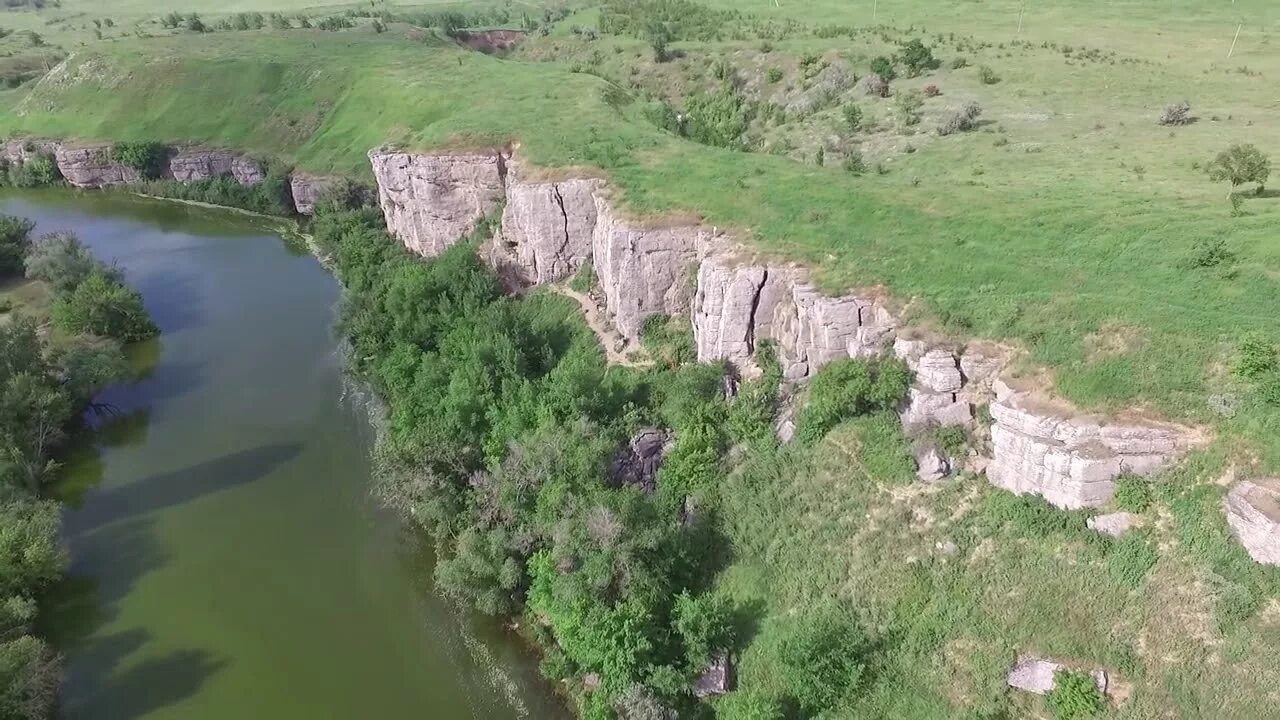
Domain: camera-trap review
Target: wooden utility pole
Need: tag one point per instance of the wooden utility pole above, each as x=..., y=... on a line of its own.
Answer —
x=1233, y=41
x=1021, y=10
x=875, y=5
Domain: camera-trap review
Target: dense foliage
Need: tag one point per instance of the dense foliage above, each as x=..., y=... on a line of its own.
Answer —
x=147, y=157
x=15, y=243
x=43, y=388
x=505, y=424
x=270, y=197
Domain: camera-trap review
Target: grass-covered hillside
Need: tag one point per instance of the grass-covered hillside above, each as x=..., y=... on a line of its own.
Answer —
x=1133, y=285
x=1073, y=216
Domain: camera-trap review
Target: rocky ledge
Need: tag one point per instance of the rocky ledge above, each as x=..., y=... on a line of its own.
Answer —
x=552, y=227
x=1072, y=460
x=1253, y=512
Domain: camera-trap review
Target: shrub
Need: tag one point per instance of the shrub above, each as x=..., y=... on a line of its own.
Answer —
x=1133, y=494
x=988, y=76
x=1074, y=696
x=852, y=116
x=931, y=90
x=873, y=84
x=916, y=57
x=773, y=75
x=746, y=704
x=64, y=262
x=638, y=702
x=705, y=624
x=659, y=37
x=847, y=388
x=718, y=118
x=1240, y=164
x=585, y=279
x=960, y=119
x=15, y=243
x=821, y=660
x=36, y=171
x=1255, y=357
x=147, y=157
x=959, y=62
x=101, y=305
x=883, y=67
x=1209, y=252
x=853, y=163
x=907, y=106
x=1175, y=114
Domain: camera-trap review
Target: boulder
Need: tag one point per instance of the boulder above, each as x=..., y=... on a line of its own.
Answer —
x=938, y=371
x=932, y=465
x=1033, y=675
x=717, y=679
x=1253, y=512
x=1113, y=524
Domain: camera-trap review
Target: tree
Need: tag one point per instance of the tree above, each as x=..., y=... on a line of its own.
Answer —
x=15, y=243
x=883, y=67
x=705, y=623
x=659, y=37
x=101, y=305
x=1240, y=164
x=907, y=107
x=916, y=57
x=852, y=116
x=64, y=262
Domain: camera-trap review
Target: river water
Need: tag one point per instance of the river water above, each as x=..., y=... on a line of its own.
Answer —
x=226, y=561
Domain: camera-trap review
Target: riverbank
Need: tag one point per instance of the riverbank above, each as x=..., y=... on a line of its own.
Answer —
x=221, y=529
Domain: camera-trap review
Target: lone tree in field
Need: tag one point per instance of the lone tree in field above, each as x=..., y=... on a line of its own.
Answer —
x=1240, y=164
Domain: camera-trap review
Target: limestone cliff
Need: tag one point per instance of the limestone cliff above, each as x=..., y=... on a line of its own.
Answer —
x=1253, y=512
x=551, y=228
x=433, y=201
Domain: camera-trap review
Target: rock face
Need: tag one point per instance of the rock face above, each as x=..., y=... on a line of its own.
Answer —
x=91, y=166
x=643, y=270
x=637, y=462
x=942, y=394
x=433, y=201
x=1253, y=512
x=188, y=166
x=1070, y=460
x=548, y=226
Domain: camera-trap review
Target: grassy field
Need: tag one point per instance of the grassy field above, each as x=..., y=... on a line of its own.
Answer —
x=1069, y=223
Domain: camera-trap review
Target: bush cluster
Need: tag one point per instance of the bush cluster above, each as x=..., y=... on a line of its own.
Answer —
x=90, y=297
x=960, y=119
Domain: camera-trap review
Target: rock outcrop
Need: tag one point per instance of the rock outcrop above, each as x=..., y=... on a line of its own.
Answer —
x=932, y=465
x=637, y=462
x=1253, y=512
x=91, y=166
x=1071, y=460
x=306, y=190
x=433, y=201
x=194, y=165
x=717, y=679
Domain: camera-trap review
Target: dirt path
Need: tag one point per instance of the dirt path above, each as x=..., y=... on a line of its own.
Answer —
x=607, y=336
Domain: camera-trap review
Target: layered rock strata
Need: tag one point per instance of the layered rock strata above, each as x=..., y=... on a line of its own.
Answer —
x=91, y=166
x=193, y=165
x=1253, y=512
x=1071, y=460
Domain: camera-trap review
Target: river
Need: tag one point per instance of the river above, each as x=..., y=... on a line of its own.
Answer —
x=226, y=561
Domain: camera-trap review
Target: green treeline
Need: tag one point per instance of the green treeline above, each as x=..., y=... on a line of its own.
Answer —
x=504, y=435
x=46, y=380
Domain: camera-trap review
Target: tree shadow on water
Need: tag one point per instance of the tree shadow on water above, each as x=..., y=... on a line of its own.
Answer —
x=133, y=691
x=179, y=487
